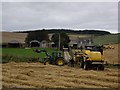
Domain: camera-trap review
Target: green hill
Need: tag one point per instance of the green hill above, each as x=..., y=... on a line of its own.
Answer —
x=107, y=39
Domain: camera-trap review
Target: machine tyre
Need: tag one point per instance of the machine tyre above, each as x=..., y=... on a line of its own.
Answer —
x=46, y=62
x=60, y=62
x=101, y=67
x=86, y=65
x=81, y=64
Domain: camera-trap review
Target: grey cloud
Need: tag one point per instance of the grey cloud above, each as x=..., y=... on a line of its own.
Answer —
x=75, y=15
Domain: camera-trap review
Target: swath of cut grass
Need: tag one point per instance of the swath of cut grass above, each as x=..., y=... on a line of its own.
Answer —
x=57, y=77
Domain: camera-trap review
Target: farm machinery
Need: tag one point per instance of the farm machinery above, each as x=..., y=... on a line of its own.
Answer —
x=90, y=57
x=55, y=58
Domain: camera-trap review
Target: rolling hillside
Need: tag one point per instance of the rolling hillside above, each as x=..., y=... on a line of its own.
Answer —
x=107, y=39
x=9, y=36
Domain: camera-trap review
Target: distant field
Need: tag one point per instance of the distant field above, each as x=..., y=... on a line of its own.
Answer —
x=79, y=35
x=107, y=39
x=9, y=36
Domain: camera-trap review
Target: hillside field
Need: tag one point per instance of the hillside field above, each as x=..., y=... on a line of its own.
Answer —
x=107, y=39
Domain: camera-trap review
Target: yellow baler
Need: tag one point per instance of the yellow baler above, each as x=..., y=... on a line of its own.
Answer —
x=94, y=55
x=92, y=58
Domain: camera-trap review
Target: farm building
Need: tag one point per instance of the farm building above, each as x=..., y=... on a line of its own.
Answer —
x=77, y=41
x=42, y=44
x=10, y=39
x=34, y=43
x=14, y=43
x=52, y=44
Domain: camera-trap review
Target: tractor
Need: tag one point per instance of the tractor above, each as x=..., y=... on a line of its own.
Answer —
x=90, y=57
x=55, y=58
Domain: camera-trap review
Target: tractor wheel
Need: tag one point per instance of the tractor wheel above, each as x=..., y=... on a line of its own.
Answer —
x=60, y=61
x=101, y=67
x=87, y=65
x=81, y=64
x=46, y=62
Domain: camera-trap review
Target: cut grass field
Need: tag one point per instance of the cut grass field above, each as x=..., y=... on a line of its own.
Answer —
x=112, y=55
x=37, y=75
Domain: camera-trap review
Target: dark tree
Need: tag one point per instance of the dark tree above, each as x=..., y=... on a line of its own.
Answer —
x=95, y=32
x=64, y=39
x=37, y=35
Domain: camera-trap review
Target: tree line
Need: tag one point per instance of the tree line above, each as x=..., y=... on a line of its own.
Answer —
x=70, y=31
x=42, y=35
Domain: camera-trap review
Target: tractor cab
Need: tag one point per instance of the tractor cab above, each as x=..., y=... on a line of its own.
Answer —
x=55, y=58
x=56, y=54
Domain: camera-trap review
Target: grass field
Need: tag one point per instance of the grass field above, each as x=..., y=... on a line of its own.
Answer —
x=22, y=54
x=26, y=52
x=107, y=39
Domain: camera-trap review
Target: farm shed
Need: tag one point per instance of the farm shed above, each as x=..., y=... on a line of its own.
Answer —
x=73, y=44
x=34, y=43
x=14, y=44
x=77, y=41
x=44, y=44
x=52, y=45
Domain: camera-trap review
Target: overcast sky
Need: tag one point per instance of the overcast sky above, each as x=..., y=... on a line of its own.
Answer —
x=71, y=15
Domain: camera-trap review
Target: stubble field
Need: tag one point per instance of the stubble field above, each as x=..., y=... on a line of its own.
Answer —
x=36, y=75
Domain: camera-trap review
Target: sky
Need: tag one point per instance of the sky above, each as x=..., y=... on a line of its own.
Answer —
x=17, y=16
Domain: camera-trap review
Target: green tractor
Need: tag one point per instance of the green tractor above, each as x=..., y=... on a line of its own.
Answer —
x=55, y=58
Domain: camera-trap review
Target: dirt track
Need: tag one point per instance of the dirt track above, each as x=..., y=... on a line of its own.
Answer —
x=36, y=75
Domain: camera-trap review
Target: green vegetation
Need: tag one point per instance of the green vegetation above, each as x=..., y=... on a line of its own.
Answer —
x=70, y=31
x=26, y=52
x=37, y=35
x=107, y=39
x=21, y=54
x=64, y=39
